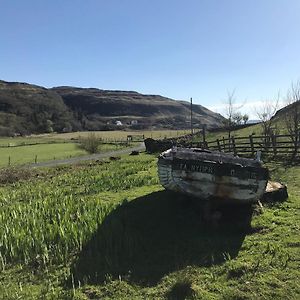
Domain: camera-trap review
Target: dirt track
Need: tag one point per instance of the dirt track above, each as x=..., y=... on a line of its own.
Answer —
x=73, y=160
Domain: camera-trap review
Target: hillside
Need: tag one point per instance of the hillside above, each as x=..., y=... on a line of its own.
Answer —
x=27, y=108
x=95, y=107
x=289, y=109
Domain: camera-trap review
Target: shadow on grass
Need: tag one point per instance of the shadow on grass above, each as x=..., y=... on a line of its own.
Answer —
x=151, y=236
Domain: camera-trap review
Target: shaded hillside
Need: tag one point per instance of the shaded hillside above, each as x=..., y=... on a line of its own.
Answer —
x=94, y=106
x=26, y=108
x=289, y=109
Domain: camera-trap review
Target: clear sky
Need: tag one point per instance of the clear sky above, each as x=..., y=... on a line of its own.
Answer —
x=176, y=48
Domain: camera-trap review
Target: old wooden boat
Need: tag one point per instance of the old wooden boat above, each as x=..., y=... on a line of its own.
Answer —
x=212, y=175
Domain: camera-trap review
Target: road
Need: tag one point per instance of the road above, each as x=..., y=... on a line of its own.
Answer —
x=73, y=160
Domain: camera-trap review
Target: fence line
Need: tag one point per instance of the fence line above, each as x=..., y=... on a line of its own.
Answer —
x=248, y=145
x=21, y=144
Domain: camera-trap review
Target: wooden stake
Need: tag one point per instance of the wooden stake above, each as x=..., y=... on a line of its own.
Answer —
x=219, y=146
x=251, y=144
x=233, y=146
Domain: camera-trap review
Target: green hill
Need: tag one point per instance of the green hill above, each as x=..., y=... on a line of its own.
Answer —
x=27, y=108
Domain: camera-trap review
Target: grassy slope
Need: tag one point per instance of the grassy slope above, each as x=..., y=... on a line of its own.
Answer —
x=253, y=129
x=153, y=247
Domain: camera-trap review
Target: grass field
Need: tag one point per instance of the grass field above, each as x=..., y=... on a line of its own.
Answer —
x=27, y=154
x=108, y=136
x=122, y=135
x=109, y=231
x=59, y=146
x=45, y=152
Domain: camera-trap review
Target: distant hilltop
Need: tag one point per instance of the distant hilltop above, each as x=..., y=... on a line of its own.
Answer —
x=27, y=108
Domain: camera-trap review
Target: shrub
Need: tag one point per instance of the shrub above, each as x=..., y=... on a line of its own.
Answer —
x=90, y=143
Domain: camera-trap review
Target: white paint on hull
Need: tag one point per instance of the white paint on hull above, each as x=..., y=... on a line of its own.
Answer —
x=207, y=186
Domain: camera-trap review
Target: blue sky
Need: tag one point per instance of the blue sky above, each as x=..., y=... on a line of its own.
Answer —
x=179, y=49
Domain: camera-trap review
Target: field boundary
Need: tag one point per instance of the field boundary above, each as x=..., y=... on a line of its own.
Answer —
x=276, y=145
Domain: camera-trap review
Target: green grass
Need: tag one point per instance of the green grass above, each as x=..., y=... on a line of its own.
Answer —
x=60, y=146
x=244, y=132
x=45, y=152
x=106, y=136
x=22, y=141
x=120, y=135
x=109, y=231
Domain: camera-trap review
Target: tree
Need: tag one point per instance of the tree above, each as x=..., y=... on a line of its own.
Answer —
x=245, y=118
x=237, y=118
x=265, y=114
x=48, y=126
x=232, y=113
x=292, y=115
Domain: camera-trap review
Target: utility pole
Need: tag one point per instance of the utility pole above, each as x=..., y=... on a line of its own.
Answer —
x=192, y=116
x=192, y=137
x=204, y=133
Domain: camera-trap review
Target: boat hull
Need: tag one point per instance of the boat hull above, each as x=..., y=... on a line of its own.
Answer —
x=211, y=180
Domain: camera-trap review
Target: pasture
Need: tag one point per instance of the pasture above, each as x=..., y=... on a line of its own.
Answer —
x=106, y=136
x=30, y=154
x=121, y=135
x=108, y=230
x=41, y=152
x=27, y=150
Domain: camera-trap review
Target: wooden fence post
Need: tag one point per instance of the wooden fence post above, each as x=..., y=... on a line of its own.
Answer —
x=219, y=146
x=204, y=133
x=223, y=143
x=267, y=144
x=233, y=146
x=35, y=159
x=251, y=144
x=273, y=139
x=9, y=160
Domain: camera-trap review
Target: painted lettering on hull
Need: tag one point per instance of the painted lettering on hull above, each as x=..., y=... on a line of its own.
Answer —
x=196, y=168
x=219, y=169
